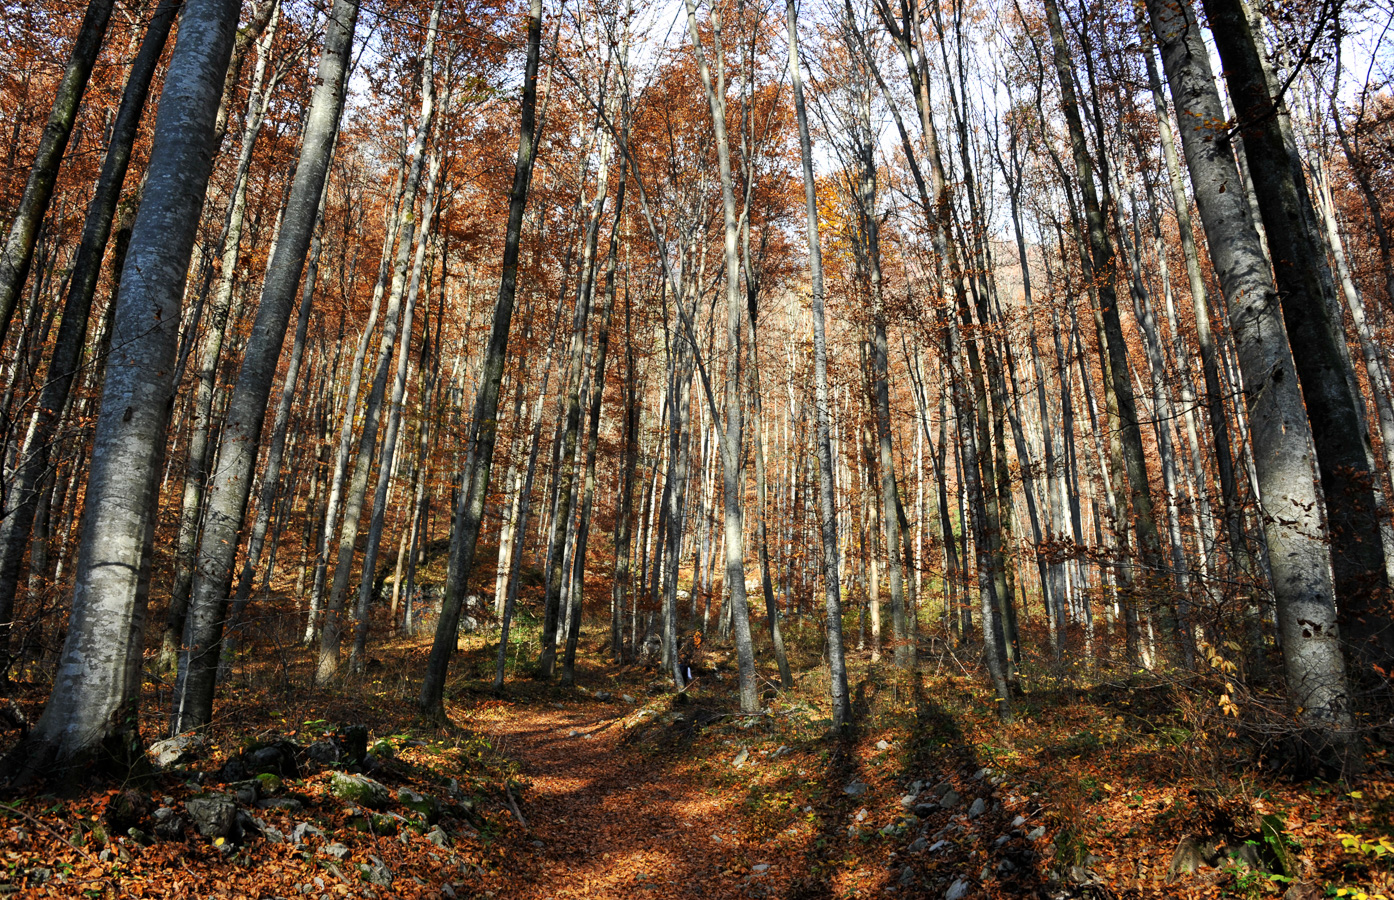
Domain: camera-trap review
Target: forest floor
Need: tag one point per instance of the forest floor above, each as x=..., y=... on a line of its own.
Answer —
x=620, y=788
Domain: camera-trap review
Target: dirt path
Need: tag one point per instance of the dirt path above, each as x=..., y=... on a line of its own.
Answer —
x=609, y=820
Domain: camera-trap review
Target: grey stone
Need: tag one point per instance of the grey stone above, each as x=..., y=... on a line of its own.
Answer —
x=981, y=774
x=1018, y=821
x=907, y=876
x=1006, y=867
x=438, y=837
x=626, y=698
x=1002, y=841
x=938, y=845
x=978, y=808
x=323, y=752
x=214, y=815
x=855, y=789
x=925, y=810
x=424, y=804
x=958, y=890
x=336, y=850
x=376, y=872
x=918, y=844
x=288, y=804
x=741, y=758
x=883, y=745
x=908, y=801
x=603, y=696
x=950, y=800
x=179, y=750
x=1190, y=855
x=760, y=868
x=359, y=789
x=1035, y=834
x=169, y=825
x=302, y=831
x=246, y=793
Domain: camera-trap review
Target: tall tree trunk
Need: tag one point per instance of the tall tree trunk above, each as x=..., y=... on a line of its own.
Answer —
x=229, y=490
x=18, y=254
x=1303, y=585
x=77, y=311
x=474, y=487
x=91, y=710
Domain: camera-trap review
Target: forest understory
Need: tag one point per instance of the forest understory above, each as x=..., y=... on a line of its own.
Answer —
x=620, y=786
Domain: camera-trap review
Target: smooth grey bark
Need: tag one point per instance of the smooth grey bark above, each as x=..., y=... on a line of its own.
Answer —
x=63, y=366
x=276, y=453
x=602, y=350
x=230, y=488
x=1303, y=583
x=474, y=487
x=221, y=317
x=358, y=654
x=1311, y=314
x=733, y=532
x=564, y=514
x=18, y=254
x=396, y=320
x=91, y=708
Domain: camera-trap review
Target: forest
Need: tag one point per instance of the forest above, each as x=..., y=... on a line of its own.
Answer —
x=939, y=447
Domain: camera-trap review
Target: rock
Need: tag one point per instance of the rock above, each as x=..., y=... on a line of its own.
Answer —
x=938, y=845
x=1002, y=840
x=1190, y=855
x=359, y=789
x=427, y=806
x=325, y=753
x=741, y=758
x=958, y=890
x=271, y=784
x=233, y=770
x=603, y=696
x=214, y=815
x=288, y=804
x=626, y=698
x=1018, y=821
x=883, y=745
x=1080, y=875
x=861, y=814
x=1248, y=855
x=139, y=837
x=925, y=810
x=126, y=809
x=382, y=749
x=384, y=823
x=246, y=793
x=276, y=758
x=438, y=837
x=353, y=741
x=1035, y=834
x=950, y=800
x=918, y=844
x=760, y=868
x=1006, y=867
x=169, y=825
x=179, y=750
x=336, y=850
x=907, y=876
x=274, y=835
x=855, y=789
x=978, y=808
x=302, y=831
x=981, y=774
x=376, y=872
x=908, y=801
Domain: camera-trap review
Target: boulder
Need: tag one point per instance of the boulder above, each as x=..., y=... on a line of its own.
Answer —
x=1190, y=855
x=169, y=825
x=179, y=750
x=215, y=816
x=359, y=789
x=978, y=808
x=277, y=758
x=958, y=890
x=426, y=805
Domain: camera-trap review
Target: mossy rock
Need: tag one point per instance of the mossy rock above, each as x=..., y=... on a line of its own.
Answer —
x=359, y=789
x=383, y=823
x=271, y=784
x=426, y=805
